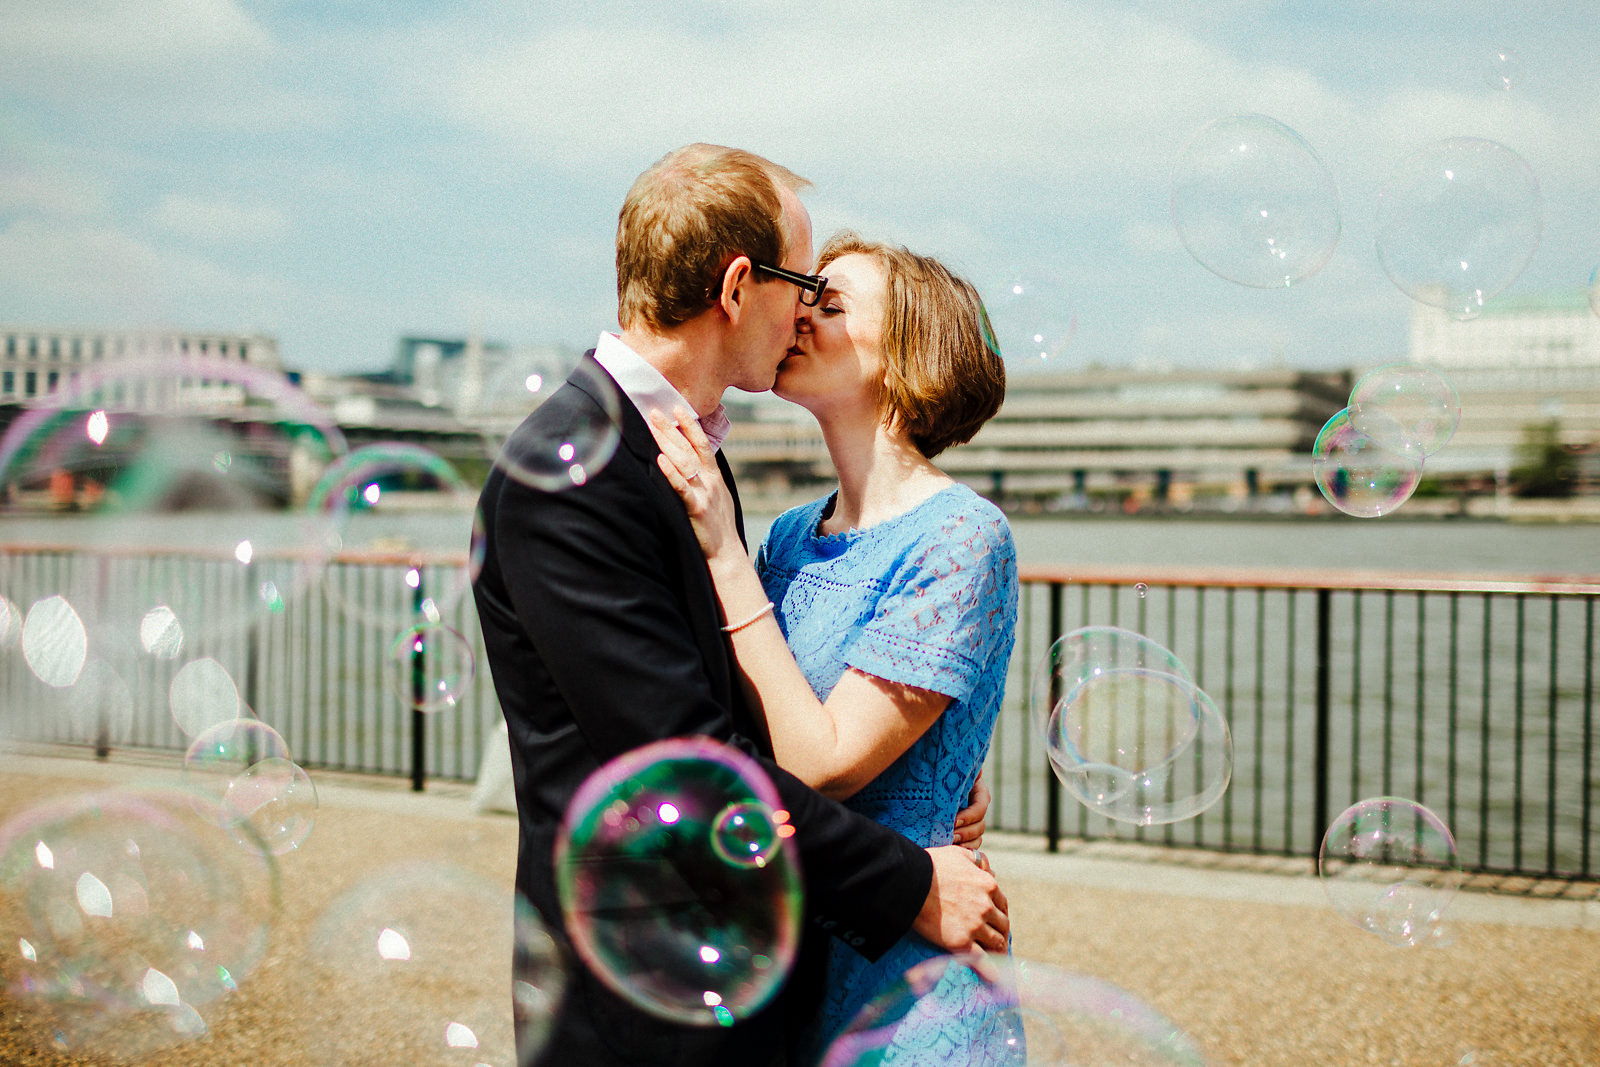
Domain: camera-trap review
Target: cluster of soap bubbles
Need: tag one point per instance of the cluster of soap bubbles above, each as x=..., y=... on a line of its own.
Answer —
x=677, y=883
x=1389, y=866
x=1003, y=1011
x=133, y=915
x=1458, y=219
x=1128, y=732
x=1368, y=458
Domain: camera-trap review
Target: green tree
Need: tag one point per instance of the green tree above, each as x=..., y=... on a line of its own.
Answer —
x=1545, y=467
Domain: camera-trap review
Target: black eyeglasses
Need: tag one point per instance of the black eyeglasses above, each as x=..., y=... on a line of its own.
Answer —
x=811, y=285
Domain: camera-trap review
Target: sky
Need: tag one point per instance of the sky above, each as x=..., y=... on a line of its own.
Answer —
x=339, y=174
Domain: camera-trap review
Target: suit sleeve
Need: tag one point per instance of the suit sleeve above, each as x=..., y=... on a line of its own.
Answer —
x=599, y=578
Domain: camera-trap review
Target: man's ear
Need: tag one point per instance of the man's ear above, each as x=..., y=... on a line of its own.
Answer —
x=737, y=278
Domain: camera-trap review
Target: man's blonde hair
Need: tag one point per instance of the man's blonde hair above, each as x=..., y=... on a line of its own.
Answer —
x=685, y=219
x=943, y=375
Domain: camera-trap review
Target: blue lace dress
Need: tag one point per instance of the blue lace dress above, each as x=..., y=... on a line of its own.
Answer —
x=929, y=599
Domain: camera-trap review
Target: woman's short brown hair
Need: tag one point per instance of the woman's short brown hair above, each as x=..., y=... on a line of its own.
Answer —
x=683, y=222
x=943, y=376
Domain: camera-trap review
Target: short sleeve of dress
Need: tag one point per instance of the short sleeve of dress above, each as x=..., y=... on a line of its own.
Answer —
x=941, y=618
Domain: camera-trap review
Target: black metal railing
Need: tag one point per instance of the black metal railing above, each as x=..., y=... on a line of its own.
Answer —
x=1475, y=698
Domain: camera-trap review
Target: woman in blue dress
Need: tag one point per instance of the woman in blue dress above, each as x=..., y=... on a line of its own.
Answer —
x=876, y=623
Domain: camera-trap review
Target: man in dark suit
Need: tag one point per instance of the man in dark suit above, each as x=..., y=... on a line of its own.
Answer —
x=602, y=625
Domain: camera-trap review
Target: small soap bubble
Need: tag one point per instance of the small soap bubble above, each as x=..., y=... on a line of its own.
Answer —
x=1458, y=220
x=1142, y=589
x=140, y=915
x=1001, y=1010
x=100, y=704
x=1254, y=204
x=439, y=944
x=1502, y=69
x=276, y=799
x=371, y=498
x=1362, y=471
x=10, y=623
x=1389, y=866
x=571, y=442
x=1594, y=291
x=651, y=900
x=430, y=667
x=1417, y=401
x=1032, y=320
x=745, y=834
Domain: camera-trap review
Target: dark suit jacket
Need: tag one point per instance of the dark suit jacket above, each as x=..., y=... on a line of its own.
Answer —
x=603, y=634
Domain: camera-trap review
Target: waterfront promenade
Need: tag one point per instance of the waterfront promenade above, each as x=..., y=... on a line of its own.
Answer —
x=1242, y=952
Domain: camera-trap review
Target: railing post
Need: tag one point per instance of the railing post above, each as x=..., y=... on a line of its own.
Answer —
x=1319, y=799
x=1052, y=785
x=102, y=721
x=419, y=690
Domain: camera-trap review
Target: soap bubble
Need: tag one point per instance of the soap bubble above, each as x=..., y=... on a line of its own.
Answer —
x=1084, y=653
x=1032, y=319
x=1141, y=746
x=1389, y=866
x=1361, y=471
x=746, y=834
x=177, y=473
x=1594, y=291
x=371, y=497
x=139, y=914
x=1458, y=220
x=1417, y=400
x=433, y=944
x=1003, y=1011
x=1502, y=69
x=651, y=902
x=244, y=771
x=100, y=704
x=572, y=440
x=430, y=667
x=1253, y=203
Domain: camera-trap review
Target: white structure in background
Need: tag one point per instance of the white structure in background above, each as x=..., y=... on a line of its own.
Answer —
x=35, y=361
x=1525, y=361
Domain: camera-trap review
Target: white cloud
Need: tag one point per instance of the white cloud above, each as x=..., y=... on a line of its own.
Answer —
x=88, y=273
x=210, y=220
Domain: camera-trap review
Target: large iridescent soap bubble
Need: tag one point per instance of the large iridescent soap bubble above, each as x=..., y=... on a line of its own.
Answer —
x=1254, y=204
x=1127, y=732
x=1086, y=652
x=1389, y=866
x=253, y=785
x=434, y=947
x=1365, y=467
x=578, y=430
x=677, y=909
x=1141, y=747
x=134, y=915
x=1458, y=220
x=181, y=474
x=1032, y=319
x=1417, y=401
x=1005, y=1012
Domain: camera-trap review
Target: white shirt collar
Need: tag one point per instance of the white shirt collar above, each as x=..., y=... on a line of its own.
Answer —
x=648, y=388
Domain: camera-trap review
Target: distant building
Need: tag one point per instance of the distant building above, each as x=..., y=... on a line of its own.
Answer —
x=1527, y=360
x=35, y=361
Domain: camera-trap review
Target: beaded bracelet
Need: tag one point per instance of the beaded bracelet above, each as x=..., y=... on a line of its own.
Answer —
x=736, y=627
